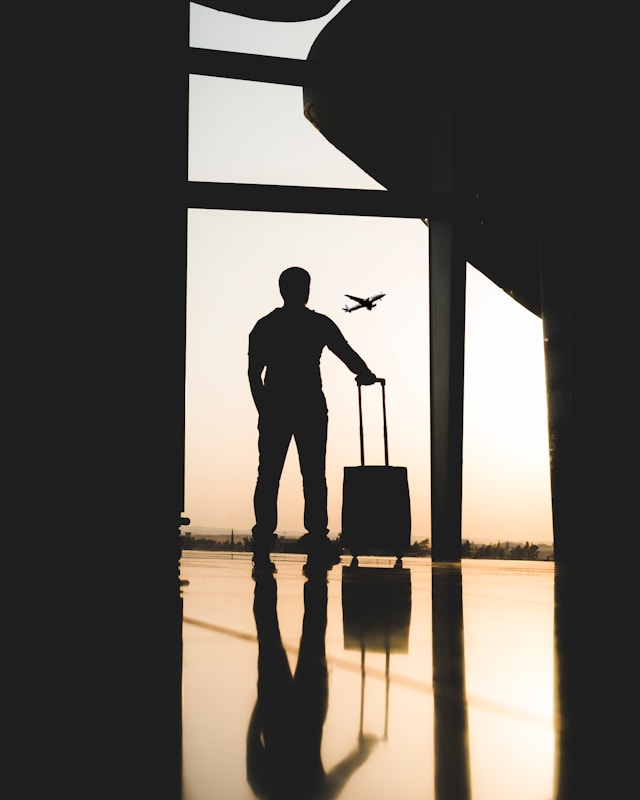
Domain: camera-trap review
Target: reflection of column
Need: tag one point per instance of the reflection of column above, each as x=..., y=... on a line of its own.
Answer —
x=568, y=644
x=451, y=743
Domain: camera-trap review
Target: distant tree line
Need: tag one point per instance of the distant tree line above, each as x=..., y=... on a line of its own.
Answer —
x=504, y=551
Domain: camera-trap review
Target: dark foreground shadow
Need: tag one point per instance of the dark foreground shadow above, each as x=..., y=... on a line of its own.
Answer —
x=285, y=730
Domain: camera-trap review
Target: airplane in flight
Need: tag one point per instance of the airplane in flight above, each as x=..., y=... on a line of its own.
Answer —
x=363, y=302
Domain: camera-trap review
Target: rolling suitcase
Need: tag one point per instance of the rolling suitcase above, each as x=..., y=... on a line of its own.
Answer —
x=376, y=510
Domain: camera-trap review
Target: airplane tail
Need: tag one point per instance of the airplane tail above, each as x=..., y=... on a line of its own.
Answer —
x=346, y=308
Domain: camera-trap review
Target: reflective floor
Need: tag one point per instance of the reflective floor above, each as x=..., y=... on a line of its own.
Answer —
x=371, y=682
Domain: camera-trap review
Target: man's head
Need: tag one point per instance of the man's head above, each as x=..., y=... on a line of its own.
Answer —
x=294, y=285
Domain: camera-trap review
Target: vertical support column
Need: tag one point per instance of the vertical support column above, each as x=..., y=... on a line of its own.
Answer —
x=447, y=280
x=447, y=283
x=555, y=286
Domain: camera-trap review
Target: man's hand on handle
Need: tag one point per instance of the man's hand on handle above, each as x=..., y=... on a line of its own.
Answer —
x=367, y=378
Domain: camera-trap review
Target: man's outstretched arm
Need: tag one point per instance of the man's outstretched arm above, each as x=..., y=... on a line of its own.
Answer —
x=341, y=347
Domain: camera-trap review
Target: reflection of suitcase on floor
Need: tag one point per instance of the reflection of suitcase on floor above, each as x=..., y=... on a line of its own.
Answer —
x=376, y=512
x=376, y=616
x=376, y=608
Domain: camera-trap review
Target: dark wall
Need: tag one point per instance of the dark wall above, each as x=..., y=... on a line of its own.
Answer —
x=100, y=259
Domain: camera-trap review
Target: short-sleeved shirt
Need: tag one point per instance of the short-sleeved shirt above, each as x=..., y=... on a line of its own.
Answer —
x=289, y=343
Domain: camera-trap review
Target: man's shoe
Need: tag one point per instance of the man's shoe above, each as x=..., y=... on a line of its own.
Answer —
x=262, y=565
x=322, y=554
x=315, y=569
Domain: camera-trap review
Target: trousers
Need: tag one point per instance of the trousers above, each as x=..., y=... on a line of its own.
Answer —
x=307, y=426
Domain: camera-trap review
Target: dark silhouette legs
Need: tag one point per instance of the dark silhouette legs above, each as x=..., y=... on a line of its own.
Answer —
x=309, y=429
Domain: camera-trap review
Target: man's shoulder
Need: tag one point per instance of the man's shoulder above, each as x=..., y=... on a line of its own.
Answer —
x=267, y=319
x=305, y=317
x=320, y=318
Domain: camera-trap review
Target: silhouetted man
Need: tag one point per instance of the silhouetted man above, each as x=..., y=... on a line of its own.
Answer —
x=284, y=376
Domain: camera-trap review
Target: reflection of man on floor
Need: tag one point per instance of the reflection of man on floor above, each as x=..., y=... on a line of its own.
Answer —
x=285, y=731
x=286, y=346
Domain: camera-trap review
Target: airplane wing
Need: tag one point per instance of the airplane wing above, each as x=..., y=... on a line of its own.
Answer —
x=357, y=299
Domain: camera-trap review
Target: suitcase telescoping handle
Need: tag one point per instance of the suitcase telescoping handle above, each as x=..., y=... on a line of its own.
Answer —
x=382, y=382
x=387, y=682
